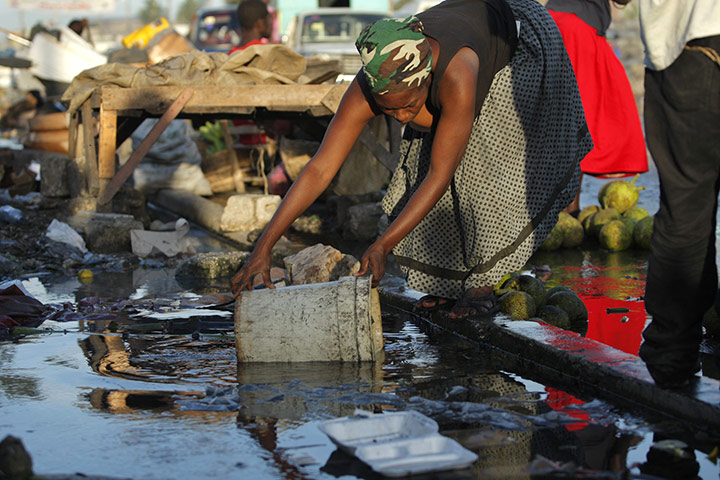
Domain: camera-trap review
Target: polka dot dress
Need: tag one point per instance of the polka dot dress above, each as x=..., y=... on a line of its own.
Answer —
x=521, y=167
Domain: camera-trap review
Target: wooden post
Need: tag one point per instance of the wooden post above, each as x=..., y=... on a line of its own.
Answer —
x=106, y=145
x=91, y=169
x=109, y=190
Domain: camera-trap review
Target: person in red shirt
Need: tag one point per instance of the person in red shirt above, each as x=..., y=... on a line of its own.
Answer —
x=256, y=24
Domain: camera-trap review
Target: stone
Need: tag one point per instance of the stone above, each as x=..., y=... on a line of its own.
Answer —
x=212, y=265
x=105, y=232
x=248, y=212
x=319, y=263
x=15, y=461
x=361, y=222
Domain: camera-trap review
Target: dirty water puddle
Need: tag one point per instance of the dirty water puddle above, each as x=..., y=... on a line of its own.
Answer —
x=159, y=384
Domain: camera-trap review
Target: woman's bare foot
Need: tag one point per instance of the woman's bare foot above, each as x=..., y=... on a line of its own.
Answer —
x=430, y=303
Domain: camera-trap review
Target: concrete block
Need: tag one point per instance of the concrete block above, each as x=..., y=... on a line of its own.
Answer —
x=319, y=263
x=361, y=221
x=248, y=212
x=105, y=232
x=321, y=322
x=54, y=170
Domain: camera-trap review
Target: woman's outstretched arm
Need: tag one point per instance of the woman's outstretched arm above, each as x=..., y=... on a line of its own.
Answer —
x=343, y=131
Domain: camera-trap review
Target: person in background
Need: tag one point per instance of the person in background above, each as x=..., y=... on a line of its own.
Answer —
x=607, y=96
x=255, y=22
x=682, y=125
x=494, y=135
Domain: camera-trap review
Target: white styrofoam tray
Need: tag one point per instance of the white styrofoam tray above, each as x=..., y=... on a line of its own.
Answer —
x=351, y=432
x=410, y=456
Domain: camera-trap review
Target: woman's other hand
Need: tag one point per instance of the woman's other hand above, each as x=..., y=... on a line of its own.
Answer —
x=374, y=260
x=254, y=264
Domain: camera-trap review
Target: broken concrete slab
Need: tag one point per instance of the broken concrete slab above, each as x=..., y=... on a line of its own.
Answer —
x=105, y=232
x=248, y=212
x=319, y=263
x=212, y=265
x=361, y=221
x=565, y=358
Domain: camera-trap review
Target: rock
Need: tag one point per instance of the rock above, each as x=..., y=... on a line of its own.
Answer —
x=554, y=240
x=15, y=462
x=553, y=315
x=599, y=219
x=530, y=285
x=636, y=213
x=319, y=263
x=571, y=304
x=105, y=232
x=616, y=235
x=361, y=221
x=619, y=194
x=518, y=304
x=573, y=232
x=212, y=265
x=643, y=232
x=247, y=212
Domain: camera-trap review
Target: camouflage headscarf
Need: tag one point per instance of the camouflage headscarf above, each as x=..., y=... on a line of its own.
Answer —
x=396, y=56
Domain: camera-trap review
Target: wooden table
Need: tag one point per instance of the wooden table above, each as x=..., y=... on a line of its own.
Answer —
x=119, y=111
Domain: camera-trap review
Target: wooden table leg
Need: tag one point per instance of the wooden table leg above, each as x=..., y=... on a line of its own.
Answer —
x=114, y=184
x=107, y=145
x=91, y=173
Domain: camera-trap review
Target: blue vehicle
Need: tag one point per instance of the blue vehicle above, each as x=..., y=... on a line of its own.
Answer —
x=215, y=29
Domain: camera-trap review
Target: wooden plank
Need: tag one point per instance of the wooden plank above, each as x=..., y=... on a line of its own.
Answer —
x=107, y=145
x=91, y=166
x=73, y=135
x=117, y=181
x=225, y=99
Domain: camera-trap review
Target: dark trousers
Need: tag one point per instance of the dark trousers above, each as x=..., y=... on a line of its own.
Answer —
x=682, y=123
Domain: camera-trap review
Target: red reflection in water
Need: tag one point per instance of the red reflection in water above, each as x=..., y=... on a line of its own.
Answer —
x=621, y=330
x=622, y=327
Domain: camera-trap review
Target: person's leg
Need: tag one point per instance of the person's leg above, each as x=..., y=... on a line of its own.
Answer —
x=682, y=120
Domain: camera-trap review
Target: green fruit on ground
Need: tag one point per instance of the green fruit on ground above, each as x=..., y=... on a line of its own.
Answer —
x=571, y=304
x=586, y=212
x=530, y=285
x=637, y=213
x=500, y=286
x=553, y=315
x=643, y=232
x=630, y=225
x=558, y=288
x=518, y=304
x=586, y=223
x=554, y=240
x=619, y=194
x=573, y=232
x=600, y=218
x=616, y=236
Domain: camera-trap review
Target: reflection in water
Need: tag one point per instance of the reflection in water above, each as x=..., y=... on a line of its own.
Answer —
x=145, y=375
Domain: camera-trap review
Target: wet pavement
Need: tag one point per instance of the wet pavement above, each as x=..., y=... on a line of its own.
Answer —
x=140, y=381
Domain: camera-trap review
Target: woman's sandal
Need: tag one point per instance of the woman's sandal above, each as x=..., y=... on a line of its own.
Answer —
x=485, y=306
x=439, y=302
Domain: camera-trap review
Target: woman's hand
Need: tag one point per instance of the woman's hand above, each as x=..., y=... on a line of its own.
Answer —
x=256, y=263
x=374, y=259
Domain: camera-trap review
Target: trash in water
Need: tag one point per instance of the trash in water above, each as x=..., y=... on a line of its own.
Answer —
x=396, y=444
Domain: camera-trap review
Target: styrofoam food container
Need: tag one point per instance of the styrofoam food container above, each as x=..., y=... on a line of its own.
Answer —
x=431, y=453
x=348, y=433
